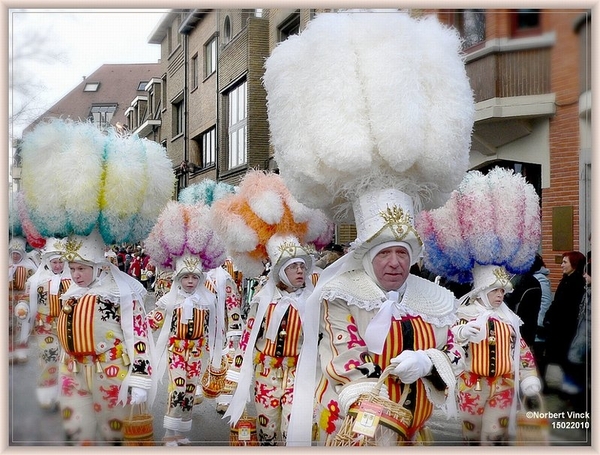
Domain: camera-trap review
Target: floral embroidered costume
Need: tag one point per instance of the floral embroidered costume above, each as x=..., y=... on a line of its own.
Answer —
x=46, y=286
x=491, y=224
x=191, y=317
x=224, y=279
x=274, y=332
x=103, y=191
x=107, y=349
x=20, y=269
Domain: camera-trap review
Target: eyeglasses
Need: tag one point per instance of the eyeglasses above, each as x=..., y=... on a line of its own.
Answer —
x=295, y=266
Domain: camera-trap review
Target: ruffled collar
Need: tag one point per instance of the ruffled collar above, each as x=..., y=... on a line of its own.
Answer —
x=433, y=303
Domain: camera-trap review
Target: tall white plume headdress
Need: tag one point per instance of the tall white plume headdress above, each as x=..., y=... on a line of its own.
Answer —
x=362, y=101
x=367, y=107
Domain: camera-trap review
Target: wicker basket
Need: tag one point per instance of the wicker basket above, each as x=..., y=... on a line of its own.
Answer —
x=532, y=429
x=213, y=380
x=138, y=429
x=243, y=433
x=393, y=420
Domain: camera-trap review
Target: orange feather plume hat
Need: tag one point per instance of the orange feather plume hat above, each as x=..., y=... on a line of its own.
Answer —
x=262, y=218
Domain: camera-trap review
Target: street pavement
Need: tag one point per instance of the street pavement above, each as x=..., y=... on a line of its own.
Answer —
x=28, y=425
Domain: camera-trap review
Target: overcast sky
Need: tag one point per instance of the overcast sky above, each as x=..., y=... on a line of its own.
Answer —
x=78, y=42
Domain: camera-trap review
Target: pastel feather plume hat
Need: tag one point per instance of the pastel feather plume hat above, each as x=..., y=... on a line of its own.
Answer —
x=79, y=182
x=488, y=229
x=263, y=222
x=184, y=240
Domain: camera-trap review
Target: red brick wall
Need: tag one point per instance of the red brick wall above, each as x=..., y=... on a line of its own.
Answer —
x=564, y=134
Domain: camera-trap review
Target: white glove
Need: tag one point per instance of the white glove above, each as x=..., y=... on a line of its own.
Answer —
x=21, y=310
x=138, y=396
x=466, y=332
x=411, y=365
x=350, y=392
x=531, y=386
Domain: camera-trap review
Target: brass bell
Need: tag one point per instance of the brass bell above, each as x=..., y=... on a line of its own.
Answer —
x=478, y=386
x=40, y=323
x=67, y=309
x=283, y=334
x=74, y=368
x=99, y=368
x=126, y=359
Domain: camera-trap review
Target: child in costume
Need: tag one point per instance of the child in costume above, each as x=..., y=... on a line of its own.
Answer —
x=224, y=279
x=489, y=226
x=105, y=338
x=191, y=317
x=20, y=269
x=274, y=227
x=375, y=159
x=113, y=196
x=46, y=286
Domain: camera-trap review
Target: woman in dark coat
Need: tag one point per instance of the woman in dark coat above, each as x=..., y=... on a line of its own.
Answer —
x=562, y=316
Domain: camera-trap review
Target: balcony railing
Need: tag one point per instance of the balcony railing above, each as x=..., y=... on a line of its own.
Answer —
x=506, y=74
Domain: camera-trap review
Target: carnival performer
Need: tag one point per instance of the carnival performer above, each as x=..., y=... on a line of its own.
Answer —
x=116, y=198
x=374, y=160
x=490, y=225
x=223, y=278
x=46, y=286
x=274, y=227
x=20, y=269
x=191, y=317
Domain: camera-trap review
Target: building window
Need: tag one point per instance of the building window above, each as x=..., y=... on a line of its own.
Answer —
x=238, y=126
x=91, y=87
x=291, y=26
x=194, y=74
x=525, y=22
x=142, y=86
x=471, y=25
x=178, y=117
x=102, y=114
x=209, y=147
x=211, y=57
x=227, y=30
